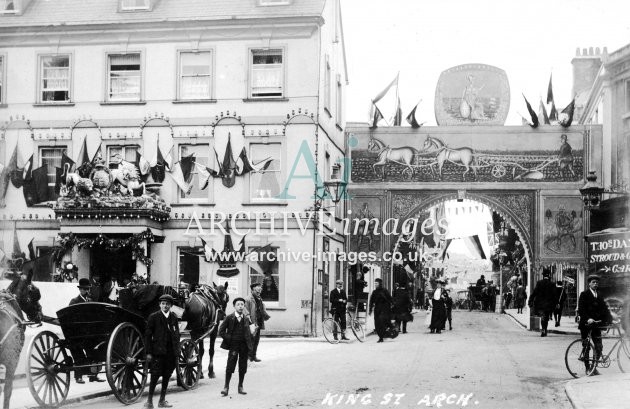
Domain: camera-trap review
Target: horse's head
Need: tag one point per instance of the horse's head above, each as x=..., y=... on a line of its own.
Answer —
x=374, y=145
x=27, y=296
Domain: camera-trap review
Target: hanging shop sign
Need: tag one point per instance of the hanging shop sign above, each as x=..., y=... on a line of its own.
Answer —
x=609, y=250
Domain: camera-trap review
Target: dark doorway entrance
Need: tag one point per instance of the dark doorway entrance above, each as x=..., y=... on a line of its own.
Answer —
x=118, y=264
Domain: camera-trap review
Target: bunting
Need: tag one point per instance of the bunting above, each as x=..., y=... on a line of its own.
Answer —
x=35, y=188
x=566, y=116
x=83, y=160
x=142, y=164
x=158, y=172
x=177, y=174
x=543, y=112
x=376, y=116
x=228, y=166
x=246, y=166
x=204, y=176
x=534, y=123
x=553, y=113
x=398, y=114
x=550, y=90
x=14, y=172
x=411, y=118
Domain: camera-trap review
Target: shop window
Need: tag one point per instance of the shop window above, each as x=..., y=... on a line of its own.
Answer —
x=267, y=74
x=55, y=78
x=117, y=153
x=188, y=266
x=51, y=158
x=124, y=77
x=267, y=273
x=195, y=75
x=265, y=185
x=200, y=152
x=135, y=5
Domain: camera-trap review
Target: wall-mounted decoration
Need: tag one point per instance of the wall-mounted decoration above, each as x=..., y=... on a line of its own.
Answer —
x=562, y=227
x=366, y=221
x=472, y=94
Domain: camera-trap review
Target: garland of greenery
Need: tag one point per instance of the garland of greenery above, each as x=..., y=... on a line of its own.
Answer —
x=69, y=240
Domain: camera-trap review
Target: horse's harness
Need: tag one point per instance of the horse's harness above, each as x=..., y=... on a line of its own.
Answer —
x=5, y=309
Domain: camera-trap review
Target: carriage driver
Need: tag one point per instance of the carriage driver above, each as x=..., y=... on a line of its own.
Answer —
x=162, y=344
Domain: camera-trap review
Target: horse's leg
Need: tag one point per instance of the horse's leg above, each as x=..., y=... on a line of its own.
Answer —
x=213, y=338
x=8, y=385
x=201, y=353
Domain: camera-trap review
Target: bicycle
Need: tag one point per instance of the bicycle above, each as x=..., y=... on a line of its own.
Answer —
x=331, y=328
x=356, y=326
x=580, y=362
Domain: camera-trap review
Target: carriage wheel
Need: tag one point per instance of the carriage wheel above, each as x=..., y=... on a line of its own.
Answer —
x=126, y=366
x=329, y=328
x=46, y=375
x=498, y=171
x=188, y=364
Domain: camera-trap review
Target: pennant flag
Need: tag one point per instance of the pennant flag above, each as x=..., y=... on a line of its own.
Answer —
x=258, y=259
x=59, y=180
x=228, y=166
x=207, y=251
x=566, y=116
x=187, y=163
x=376, y=116
x=98, y=155
x=36, y=188
x=533, y=115
x=392, y=104
x=215, y=170
x=14, y=173
x=158, y=172
x=31, y=250
x=17, y=250
x=553, y=113
x=243, y=165
x=142, y=164
x=66, y=166
x=28, y=168
x=550, y=90
x=411, y=118
x=381, y=94
x=398, y=115
x=543, y=112
x=178, y=176
x=83, y=160
x=204, y=176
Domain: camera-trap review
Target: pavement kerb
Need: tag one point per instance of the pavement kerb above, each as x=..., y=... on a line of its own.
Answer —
x=78, y=399
x=573, y=397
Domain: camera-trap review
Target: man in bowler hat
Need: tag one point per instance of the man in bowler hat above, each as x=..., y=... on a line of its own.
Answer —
x=593, y=313
x=77, y=351
x=255, y=308
x=543, y=299
x=162, y=345
x=237, y=339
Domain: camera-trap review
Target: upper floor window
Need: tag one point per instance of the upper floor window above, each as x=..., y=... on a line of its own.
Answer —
x=124, y=72
x=51, y=158
x=195, y=75
x=327, y=84
x=116, y=154
x=265, y=185
x=339, y=118
x=10, y=6
x=54, y=74
x=135, y=5
x=267, y=74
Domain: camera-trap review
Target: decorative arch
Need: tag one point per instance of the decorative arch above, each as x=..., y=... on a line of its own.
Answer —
x=155, y=118
x=517, y=208
x=233, y=117
x=310, y=119
x=84, y=121
x=17, y=123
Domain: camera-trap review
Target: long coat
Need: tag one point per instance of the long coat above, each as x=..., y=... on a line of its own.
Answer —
x=381, y=303
x=438, y=313
x=594, y=308
x=251, y=309
x=544, y=296
x=402, y=304
x=520, y=297
x=159, y=329
x=227, y=328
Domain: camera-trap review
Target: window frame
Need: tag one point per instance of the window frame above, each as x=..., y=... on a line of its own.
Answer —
x=107, y=70
x=178, y=82
x=40, y=78
x=327, y=85
x=39, y=160
x=627, y=93
x=247, y=191
x=178, y=273
x=3, y=80
x=107, y=148
x=279, y=247
x=339, y=103
x=17, y=8
x=209, y=198
x=124, y=9
x=250, y=67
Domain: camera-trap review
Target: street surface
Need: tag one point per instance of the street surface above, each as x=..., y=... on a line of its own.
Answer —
x=487, y=361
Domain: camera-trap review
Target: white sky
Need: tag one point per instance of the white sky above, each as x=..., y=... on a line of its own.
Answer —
x=422, y=38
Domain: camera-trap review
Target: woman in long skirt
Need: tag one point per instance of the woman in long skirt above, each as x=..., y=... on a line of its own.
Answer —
x=438, y=315
x=381, y=304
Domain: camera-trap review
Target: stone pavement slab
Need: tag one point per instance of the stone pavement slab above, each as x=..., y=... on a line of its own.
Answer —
x=600, y=392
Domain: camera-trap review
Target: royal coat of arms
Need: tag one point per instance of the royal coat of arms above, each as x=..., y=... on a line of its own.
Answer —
x=472, y=94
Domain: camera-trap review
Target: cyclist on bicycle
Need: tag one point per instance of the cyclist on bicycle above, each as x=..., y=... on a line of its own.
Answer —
x=338, y=301
x=593, y=313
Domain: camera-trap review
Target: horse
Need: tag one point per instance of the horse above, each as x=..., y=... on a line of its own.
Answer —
x=463, y=156
x=21, y=295
x=403, y=155
x=204, y=309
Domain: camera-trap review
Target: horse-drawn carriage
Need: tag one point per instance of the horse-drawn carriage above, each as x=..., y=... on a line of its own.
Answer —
x=100, y=337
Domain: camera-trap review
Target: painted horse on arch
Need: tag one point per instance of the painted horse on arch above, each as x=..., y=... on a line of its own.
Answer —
x=460, y=156
x=403, y=155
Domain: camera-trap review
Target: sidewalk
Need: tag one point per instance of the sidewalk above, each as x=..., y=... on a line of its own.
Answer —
x=599, y=392
x=568, y=326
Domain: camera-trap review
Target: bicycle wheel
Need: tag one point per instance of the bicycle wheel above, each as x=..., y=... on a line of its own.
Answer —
x=579, y=359
x=357, y=329
x=623, y=355
x=330, y=327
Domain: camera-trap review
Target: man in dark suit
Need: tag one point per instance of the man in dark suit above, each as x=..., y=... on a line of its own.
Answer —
x=162, y=345
x=543, y=300
x=237, y=339
x=77, y=351
x=338, y=302
x=593, y=313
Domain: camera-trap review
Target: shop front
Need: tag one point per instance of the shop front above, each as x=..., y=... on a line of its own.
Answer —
x=609, y=256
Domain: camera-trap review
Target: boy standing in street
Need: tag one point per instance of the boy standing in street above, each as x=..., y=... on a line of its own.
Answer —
x=237, y=339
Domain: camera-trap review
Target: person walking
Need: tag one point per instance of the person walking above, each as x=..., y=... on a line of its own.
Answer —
x=543, y=300
x=381, y=304
x=162, y=346
x=402, y=307
x=338, y=302
x=593, y=313
x=438, y=314
x=561, y=299
x=519, y=297
x=237, y=339
x=448, y=304
x=255, y=308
